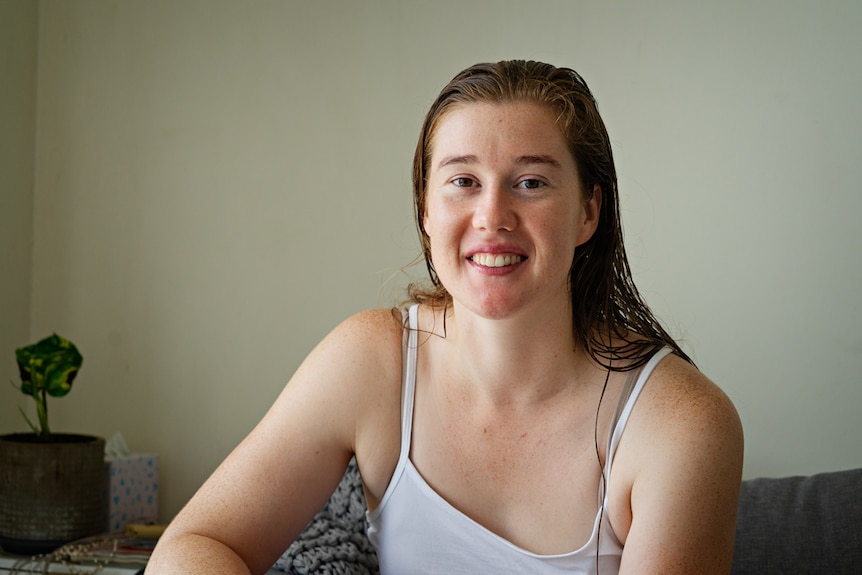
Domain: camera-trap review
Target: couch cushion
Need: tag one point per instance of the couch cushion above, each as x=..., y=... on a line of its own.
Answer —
x=800, y=525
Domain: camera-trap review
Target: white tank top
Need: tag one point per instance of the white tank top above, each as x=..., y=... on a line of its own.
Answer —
x=415, y=530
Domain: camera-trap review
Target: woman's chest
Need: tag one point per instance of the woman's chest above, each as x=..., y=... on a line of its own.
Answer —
x=531, y=479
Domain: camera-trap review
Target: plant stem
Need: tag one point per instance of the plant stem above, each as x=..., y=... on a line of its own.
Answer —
x=42, y=410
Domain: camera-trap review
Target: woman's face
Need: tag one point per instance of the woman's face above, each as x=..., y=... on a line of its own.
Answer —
x=504, y=208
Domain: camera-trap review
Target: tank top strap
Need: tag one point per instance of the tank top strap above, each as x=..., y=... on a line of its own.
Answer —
x=408, y=373
x=632, y=388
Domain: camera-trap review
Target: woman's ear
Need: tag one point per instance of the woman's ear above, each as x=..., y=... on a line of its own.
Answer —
x=590, y=216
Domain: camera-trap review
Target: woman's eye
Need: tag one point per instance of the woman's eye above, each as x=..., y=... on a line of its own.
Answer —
x=530, y=184
x=464, y=182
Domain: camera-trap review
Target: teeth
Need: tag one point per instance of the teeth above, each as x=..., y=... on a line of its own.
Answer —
x=496, y=261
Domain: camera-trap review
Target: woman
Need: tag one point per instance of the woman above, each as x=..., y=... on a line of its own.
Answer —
x=487, y=420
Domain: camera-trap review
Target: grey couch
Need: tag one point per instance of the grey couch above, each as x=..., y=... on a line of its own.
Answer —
x=791, y=525
x=800, y=525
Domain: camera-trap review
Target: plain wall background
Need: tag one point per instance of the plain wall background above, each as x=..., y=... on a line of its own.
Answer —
x=208, y=187
x=17, y=155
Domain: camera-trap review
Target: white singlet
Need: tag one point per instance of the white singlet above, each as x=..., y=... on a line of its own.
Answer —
x=415, y=530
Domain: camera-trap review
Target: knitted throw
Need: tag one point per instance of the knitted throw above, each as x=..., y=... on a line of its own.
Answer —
x=334, y=542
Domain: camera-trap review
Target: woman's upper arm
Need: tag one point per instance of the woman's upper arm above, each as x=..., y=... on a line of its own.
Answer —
x=684, y=452
x=270, y=486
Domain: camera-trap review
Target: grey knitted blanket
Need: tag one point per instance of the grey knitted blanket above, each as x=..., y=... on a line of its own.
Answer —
x=334, y=543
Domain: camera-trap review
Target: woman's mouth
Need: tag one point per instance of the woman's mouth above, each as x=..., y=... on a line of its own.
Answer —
x=496, y=260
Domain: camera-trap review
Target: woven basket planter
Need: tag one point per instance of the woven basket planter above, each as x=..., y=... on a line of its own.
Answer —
x=51, y=492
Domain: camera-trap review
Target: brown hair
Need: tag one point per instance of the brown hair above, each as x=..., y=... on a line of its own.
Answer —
x=609, y=317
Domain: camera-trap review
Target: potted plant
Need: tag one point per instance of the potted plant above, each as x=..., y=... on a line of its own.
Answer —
x=53, y=486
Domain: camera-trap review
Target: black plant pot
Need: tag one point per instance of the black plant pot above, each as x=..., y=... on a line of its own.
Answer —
x=51, y=492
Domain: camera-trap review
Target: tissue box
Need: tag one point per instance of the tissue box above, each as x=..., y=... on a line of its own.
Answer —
x=133, y=490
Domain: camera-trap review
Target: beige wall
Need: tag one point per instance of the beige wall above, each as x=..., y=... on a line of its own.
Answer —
x=217, y=184
x=18, y=20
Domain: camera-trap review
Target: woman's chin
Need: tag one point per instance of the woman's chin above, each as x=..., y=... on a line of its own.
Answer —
x=497, y=307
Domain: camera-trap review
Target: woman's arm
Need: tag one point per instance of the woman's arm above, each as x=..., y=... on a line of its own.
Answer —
x=681, y=465
x=268, y=489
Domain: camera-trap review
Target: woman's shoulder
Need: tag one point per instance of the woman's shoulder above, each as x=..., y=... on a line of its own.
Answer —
x=375, y=321
x=681, y=420
x=680, y=411
x=679, y=392
x=369, y=331
x=363, y=350
x=682, y=448
x=367, y=345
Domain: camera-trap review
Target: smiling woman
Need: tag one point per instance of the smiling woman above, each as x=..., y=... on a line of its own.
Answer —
x=503, y=220
x=604, y=297
x=526, y=412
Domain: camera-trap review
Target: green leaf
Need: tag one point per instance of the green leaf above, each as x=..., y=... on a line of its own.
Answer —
x=50, y=365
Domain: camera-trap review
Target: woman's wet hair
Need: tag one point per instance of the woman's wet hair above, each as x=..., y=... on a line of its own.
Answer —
x=609, y=317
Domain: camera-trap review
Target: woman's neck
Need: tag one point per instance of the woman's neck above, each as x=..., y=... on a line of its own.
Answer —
x=526, y=358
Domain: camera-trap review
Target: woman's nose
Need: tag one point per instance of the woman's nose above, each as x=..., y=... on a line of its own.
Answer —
x=494, y=210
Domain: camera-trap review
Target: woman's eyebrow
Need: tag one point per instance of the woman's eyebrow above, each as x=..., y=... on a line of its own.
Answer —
x=449, y=160
x=541, y=159
x=523, y=160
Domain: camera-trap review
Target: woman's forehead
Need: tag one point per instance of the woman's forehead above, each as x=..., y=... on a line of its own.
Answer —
x=515, y=129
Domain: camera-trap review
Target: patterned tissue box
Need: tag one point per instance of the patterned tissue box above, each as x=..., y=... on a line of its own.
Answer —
x=133, y=490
